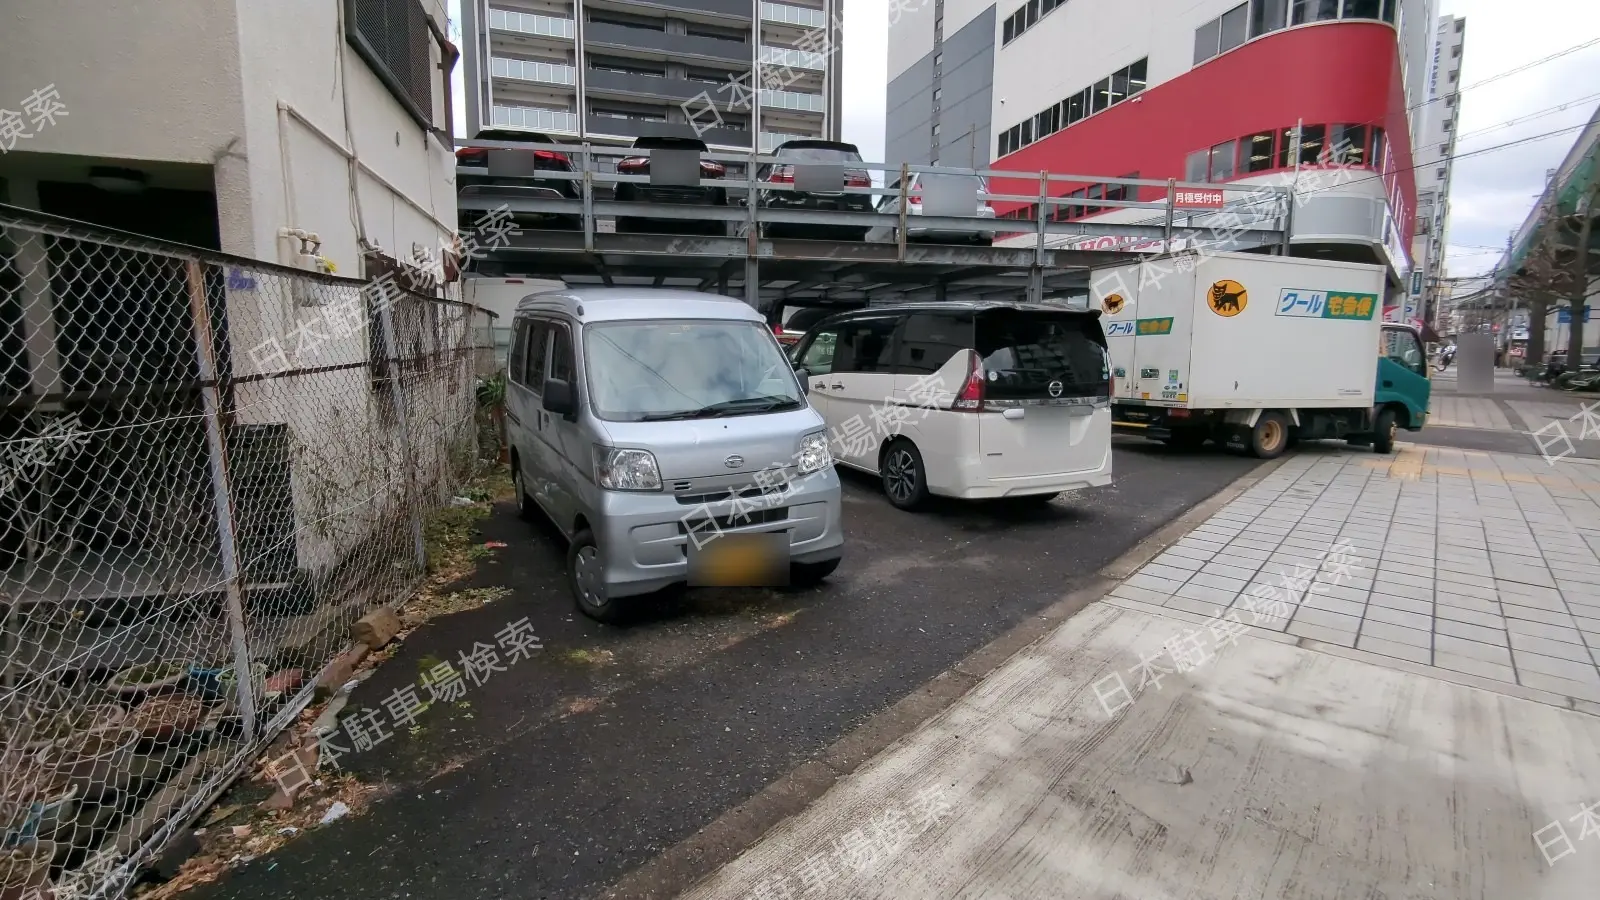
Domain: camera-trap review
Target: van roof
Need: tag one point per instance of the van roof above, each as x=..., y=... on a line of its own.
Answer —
x=625, y=303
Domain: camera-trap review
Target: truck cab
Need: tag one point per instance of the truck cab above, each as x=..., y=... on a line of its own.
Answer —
x=1403, y=388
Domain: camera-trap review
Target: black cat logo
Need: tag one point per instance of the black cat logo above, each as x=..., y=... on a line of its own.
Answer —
x=1113, y=304
x=1228, y=298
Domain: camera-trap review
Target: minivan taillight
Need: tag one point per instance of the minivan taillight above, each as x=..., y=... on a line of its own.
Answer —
x=472, y=156
x=710, y=169
x=633, y=163
x=970, y=397
x=781, y=175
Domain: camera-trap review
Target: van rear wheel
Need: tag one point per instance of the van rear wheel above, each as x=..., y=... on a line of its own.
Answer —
x=905, y=481
x=525, y=504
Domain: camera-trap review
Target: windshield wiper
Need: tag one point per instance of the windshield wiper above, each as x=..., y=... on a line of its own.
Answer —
x=740, y=407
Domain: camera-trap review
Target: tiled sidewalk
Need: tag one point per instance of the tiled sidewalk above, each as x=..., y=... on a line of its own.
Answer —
x=1472, y=564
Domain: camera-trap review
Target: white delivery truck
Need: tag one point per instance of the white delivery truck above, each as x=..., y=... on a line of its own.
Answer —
x=1258, y=352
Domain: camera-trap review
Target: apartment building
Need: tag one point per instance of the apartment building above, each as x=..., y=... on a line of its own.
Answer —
x=610, y=71
x=1237, y=92
x=1435, y=149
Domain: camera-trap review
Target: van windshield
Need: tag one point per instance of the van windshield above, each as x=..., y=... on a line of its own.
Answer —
x=1031, y=355
x=662, y=369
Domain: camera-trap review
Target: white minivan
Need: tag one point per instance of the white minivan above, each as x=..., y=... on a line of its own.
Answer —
x=970, y=400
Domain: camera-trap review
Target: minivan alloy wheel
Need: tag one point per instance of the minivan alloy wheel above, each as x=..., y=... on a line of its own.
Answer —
x=900, y=474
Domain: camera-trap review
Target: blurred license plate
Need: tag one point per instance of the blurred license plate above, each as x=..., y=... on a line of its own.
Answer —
x=740, y=560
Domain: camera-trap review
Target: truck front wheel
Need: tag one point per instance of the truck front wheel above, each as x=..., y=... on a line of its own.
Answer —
x=1270, y=436
x=1383, y=435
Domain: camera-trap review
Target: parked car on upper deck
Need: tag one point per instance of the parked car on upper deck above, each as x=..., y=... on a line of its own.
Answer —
x=497, y=186
x=815, y=152
x=916, y=182
x=688, y=195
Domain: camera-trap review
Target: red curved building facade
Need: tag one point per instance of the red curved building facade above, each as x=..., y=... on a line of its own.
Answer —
x=1214, y=91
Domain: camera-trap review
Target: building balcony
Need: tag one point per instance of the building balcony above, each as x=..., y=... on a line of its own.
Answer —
x=664, y=45
x=534, y=119
x=793, y=100
x=793, y=59
x=771, y=139
x=628, y=84
x=617, y=126
x=736, y=9
x=799, y=16
x=531, y=24
x=526, y=70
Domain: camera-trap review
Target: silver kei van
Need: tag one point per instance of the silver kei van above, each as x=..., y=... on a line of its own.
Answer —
x=666, y=435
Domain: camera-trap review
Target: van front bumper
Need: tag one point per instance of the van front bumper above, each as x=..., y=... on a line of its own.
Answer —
x=645, y=538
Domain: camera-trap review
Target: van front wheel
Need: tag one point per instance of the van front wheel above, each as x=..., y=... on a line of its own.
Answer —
x=586, y=578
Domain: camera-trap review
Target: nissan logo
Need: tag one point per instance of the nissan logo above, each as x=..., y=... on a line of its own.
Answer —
x=1056, y=388
x=734, y=461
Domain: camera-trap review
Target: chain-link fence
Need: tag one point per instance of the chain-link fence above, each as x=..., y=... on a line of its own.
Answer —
x=209, y=468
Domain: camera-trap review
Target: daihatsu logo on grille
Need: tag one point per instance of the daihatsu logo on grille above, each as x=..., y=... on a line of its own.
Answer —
x=734, y=461
x=1056, y=388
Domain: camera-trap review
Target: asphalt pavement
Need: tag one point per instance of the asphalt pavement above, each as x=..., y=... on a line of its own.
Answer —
x=599, y=751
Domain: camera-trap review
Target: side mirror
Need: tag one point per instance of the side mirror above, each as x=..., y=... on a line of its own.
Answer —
x=558, y=397
x=805, y=378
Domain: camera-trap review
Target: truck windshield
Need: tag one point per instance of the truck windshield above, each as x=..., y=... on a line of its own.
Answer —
x=1031, y=355
x=658, y=370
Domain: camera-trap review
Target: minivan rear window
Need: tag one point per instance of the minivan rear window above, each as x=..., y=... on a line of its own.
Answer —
x=818, y=154
x=1027, y=354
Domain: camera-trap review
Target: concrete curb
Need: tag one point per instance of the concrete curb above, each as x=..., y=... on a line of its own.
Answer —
x=689, y=861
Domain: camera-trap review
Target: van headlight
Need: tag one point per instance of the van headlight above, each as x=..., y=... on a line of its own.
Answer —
x=617, y=469
x=813, y=455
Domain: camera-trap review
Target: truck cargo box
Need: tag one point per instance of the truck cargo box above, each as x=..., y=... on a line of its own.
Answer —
x=1241, y=330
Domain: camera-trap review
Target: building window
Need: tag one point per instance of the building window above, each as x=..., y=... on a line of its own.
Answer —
x=1379, y=148
x=397, y=39
x=1349, y=145
x=1008, y=31
x=1454, y=75
x=1138, y=76
x=1102, y=95
x=1461, y=25
x=1312, y=140
x=1256, y=152
x=1235, y=27
x=1205, y=40
x=1033, y=12
x=1077, y=106
x=1222, y=162
x=1027, y=132
x=937, y=93
x=1267, y=16
x=938, y=60
x=1195, y=167
x=1455, y=52
x=936, y=129
x=1305, y=11
x=1363, y=9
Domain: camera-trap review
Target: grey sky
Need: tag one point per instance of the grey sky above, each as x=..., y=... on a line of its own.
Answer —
x=1492, y=193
